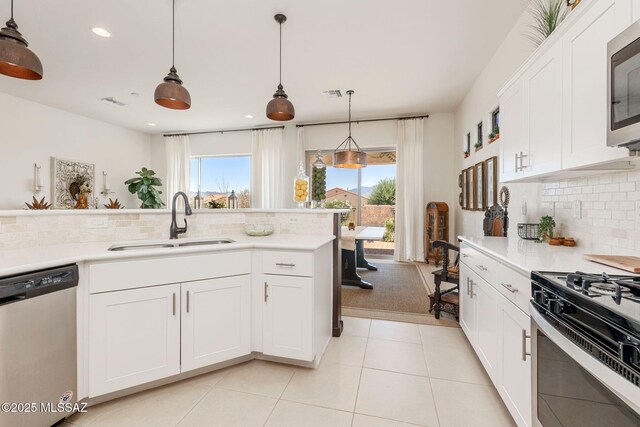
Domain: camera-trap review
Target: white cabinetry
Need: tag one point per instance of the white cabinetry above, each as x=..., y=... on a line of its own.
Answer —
x=554, y=109
x=585, y=83
x=514, y=363
x=492, y=318
x=287, y=324
x=216, y=321
x=134, y=337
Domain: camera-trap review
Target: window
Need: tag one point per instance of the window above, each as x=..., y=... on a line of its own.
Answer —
x=213, y=179
x=479, y=143
x=495, y=121
x=467, y=148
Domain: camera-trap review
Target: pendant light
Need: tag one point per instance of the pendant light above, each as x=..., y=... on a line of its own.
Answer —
x=171, y=93
x=16, y=59
x=319, y=163
x=346, y=155
x=280, y=108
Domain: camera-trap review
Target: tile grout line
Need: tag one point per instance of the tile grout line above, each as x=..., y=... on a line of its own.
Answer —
x=433, y=396
x=355, y=404
x=280, y=397
x=194, y=406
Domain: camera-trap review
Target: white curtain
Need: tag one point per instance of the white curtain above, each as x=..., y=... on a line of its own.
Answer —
x=267, y=169
x=409, y=227
x=300, y=148
x=178, y=156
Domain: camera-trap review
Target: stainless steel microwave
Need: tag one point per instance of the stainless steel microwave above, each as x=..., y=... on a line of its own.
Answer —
x=623, y=72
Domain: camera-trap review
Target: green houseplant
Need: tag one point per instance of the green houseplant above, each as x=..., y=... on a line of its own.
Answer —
x=145, y=187
x=545, y=228
x=547, y=15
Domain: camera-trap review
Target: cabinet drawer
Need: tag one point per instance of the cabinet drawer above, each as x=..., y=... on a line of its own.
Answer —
x=477, y=261
x=287, y=263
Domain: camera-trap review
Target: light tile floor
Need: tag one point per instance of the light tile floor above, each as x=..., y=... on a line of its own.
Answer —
x=378, y=374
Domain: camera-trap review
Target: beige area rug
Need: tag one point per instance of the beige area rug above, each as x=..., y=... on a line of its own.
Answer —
x=400, y=293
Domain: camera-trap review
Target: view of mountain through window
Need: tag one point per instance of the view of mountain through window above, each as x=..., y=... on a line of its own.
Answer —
x=213, y=178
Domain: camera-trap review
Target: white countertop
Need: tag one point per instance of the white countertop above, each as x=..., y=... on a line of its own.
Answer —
x=16, y=261
x=54, y=212
x=526, y=256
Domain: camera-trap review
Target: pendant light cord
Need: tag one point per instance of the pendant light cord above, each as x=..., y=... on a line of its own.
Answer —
x=280, y=54
x=173, y=37
x=11, y=9
x=350, y=122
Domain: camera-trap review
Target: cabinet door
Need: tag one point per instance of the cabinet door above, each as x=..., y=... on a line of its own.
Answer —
x=512, y=137
x=216, y=321
x=288, y=313
x=514, y=363
x=467, y=306
x=543, y=112
x=134, y=337
x=486, y=305
x=585, y=83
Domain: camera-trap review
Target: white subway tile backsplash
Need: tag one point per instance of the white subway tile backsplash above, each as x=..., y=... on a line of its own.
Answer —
x=609, y=222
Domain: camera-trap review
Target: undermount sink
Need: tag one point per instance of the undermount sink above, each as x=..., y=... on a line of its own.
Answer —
x=142, y=246
x=206, y=242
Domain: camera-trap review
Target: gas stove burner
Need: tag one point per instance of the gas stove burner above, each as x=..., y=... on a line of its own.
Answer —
x=609, y=288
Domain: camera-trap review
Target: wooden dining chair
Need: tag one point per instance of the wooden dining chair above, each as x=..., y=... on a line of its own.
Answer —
x=446, y=300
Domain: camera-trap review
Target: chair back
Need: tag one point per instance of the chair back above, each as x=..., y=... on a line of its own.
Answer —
x=496, y=221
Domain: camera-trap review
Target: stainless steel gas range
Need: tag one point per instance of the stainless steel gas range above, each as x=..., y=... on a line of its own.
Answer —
x=586, y=349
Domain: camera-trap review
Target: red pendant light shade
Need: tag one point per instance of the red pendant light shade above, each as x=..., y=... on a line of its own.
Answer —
x=170, y=93
x=280, y=108
x=16, y=59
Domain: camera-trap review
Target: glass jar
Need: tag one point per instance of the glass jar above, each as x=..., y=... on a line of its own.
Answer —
x=301, y=187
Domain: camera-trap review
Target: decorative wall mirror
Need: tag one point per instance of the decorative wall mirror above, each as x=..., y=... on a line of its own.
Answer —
x=491, y=174
x=481, y=201
x=471, y=173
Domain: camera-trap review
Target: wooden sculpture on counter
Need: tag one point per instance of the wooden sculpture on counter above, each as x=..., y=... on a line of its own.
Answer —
x=38, y=205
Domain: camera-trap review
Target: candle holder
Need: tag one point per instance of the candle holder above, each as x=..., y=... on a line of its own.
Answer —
x=38, y=183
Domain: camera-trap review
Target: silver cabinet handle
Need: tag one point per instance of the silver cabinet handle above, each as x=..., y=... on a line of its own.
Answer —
x=509, y=287
x=471, y=294
x=187, y=301
x=464, y=255
x=266, y=291
x=481, y=267
x=524, y=345
x=285, y=264
x=516, y=161
x=174, y=303
x=522, y=157
x=467, y=286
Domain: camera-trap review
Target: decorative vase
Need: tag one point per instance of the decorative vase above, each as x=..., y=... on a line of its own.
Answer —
x=301, y=187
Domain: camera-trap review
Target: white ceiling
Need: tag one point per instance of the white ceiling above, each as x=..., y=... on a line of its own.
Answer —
x=401, y=57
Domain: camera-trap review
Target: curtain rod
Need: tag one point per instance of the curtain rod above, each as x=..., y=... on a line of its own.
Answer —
x=424, y=116
x=221, y=131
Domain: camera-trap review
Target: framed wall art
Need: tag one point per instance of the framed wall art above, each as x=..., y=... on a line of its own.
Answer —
x=465, y=189
x=480, y=186
x=471, y=173
x=73, y=183
x=491, y=173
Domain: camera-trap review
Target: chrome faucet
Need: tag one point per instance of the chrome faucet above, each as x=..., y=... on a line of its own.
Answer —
x=174, y=230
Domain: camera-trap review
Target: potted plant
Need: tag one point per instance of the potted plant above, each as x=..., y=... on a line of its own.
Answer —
x=497, y=133
x=466, y=154
x=478, y=146
x=144, y=186
x=545, y=228
x=492, y=137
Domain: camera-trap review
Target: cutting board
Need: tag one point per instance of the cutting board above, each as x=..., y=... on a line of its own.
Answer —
x=627, y=263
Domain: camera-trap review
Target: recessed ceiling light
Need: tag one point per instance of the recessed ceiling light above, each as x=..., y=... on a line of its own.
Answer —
x=98, y=31
x=249, y=116
x=152, y=124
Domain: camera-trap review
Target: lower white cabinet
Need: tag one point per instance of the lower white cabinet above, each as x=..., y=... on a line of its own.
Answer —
x=134, y=337
x=287, y=328
x=514, y=361
x=216, y=321
x=499, y=332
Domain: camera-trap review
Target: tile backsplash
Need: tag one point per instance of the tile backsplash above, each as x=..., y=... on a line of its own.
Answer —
x=601, y=211
x=26, y=231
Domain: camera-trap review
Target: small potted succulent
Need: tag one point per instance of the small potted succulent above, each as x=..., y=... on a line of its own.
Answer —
x=492, y=137
x=497, y=133
x=466, y=154
x=478, y=145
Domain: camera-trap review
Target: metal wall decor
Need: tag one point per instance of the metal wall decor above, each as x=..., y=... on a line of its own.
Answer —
x=348, y=154
x=16, y=59
x=171, y=93
x=491, y=173
x=72, y=182
x=280, y=108
x=481, y=201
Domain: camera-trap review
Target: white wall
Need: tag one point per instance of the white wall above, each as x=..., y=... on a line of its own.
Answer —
x=33, y=133
x=477, y=105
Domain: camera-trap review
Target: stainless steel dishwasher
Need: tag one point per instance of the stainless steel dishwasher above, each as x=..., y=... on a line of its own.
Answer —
x=38, y=347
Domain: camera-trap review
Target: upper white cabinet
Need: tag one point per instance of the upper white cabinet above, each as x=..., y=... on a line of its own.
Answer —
x=585, y=83
x=554, y=109
x=216, y=321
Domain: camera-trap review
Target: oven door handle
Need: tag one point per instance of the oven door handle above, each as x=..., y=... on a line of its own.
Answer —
x=618, y=385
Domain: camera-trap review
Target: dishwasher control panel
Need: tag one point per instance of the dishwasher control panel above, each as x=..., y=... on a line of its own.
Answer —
x=33, y=284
